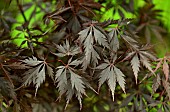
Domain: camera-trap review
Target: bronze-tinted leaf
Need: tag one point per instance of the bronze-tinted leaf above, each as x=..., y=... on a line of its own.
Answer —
x=166, y=70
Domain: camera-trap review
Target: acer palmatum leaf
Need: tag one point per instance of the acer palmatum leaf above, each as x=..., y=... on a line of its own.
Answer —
x=112, y=82
x=166, y=69
x=166, y=85
x=156, y=83
x=100, y=37
x=32, y=61
x=77, y=82
x=35, y=75
x=120, y=78
x=113, y=40
x=146, y=63
x=18, y=65
x=135, y=66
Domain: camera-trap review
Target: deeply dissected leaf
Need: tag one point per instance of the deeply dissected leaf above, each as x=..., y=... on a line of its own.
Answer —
x=18, y=65
x=112, y=82
x=146, y=63
x=135, y=66
x=69, y=93
x=128, y=99
x=167, y=87
x=158, y=65
x=104, y=76
x=88, y=37
x=100, y=38
x=32, y=61
x=156, y=83
x=102, y=66
x=77, y=82
x=113, y=39
x=61, y=79
x=36, y=75
x=67, y=50
x=120, y=78
x=150, y=56
x=128, y=39
x=129, y=56
x=50, y=72
x=6, y=89
x=166, y=70
x=70, y=83
x=111, y=74
x=148, y=98
x=140, y=57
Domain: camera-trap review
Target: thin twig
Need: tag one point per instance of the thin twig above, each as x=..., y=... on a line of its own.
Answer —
x=21, y=10
x=6, y=74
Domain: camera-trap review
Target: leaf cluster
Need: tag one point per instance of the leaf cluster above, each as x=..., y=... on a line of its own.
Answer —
x=67, y=54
